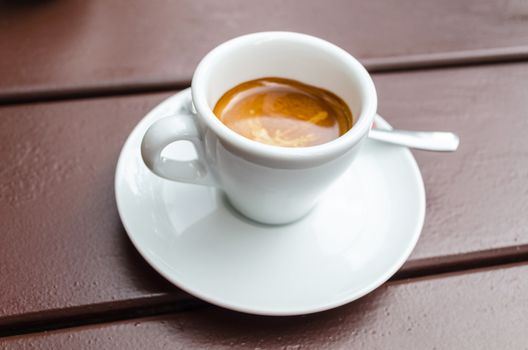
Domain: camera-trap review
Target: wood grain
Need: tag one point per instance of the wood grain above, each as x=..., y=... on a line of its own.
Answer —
x=63, y=250
x=74, y=47
x=480, y=310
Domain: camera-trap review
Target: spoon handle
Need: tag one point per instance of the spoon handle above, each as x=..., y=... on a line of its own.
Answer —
x=425, y=140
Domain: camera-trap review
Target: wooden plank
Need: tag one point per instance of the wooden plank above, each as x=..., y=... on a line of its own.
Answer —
x=484, y=310
x=62, y=245
x=63, y=251
x=95, y=47
x=477, y=197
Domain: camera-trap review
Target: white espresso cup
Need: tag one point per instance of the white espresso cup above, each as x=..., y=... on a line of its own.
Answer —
x=269, y=184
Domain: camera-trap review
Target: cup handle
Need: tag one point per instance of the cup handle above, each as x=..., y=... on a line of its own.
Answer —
x=163, y=132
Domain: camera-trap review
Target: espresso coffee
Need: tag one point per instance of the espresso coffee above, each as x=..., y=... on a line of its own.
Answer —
x=284, y=112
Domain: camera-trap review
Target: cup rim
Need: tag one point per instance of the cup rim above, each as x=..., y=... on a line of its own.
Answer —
x=337, y=146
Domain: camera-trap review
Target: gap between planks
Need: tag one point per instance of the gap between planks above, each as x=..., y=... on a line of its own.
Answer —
x=156, y=306
x=373, y=65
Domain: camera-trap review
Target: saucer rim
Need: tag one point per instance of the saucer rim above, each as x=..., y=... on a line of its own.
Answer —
x=380, y=122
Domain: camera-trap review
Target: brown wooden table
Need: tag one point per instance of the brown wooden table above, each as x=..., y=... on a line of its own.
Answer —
x=76, y=76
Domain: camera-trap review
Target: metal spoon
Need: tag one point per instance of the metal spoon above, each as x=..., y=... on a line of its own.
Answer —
x=425, y=140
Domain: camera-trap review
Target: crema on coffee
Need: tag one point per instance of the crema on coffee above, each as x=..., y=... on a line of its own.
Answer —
x=284, y=112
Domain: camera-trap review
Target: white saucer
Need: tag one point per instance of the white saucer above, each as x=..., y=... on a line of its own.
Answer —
x=358, y=236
